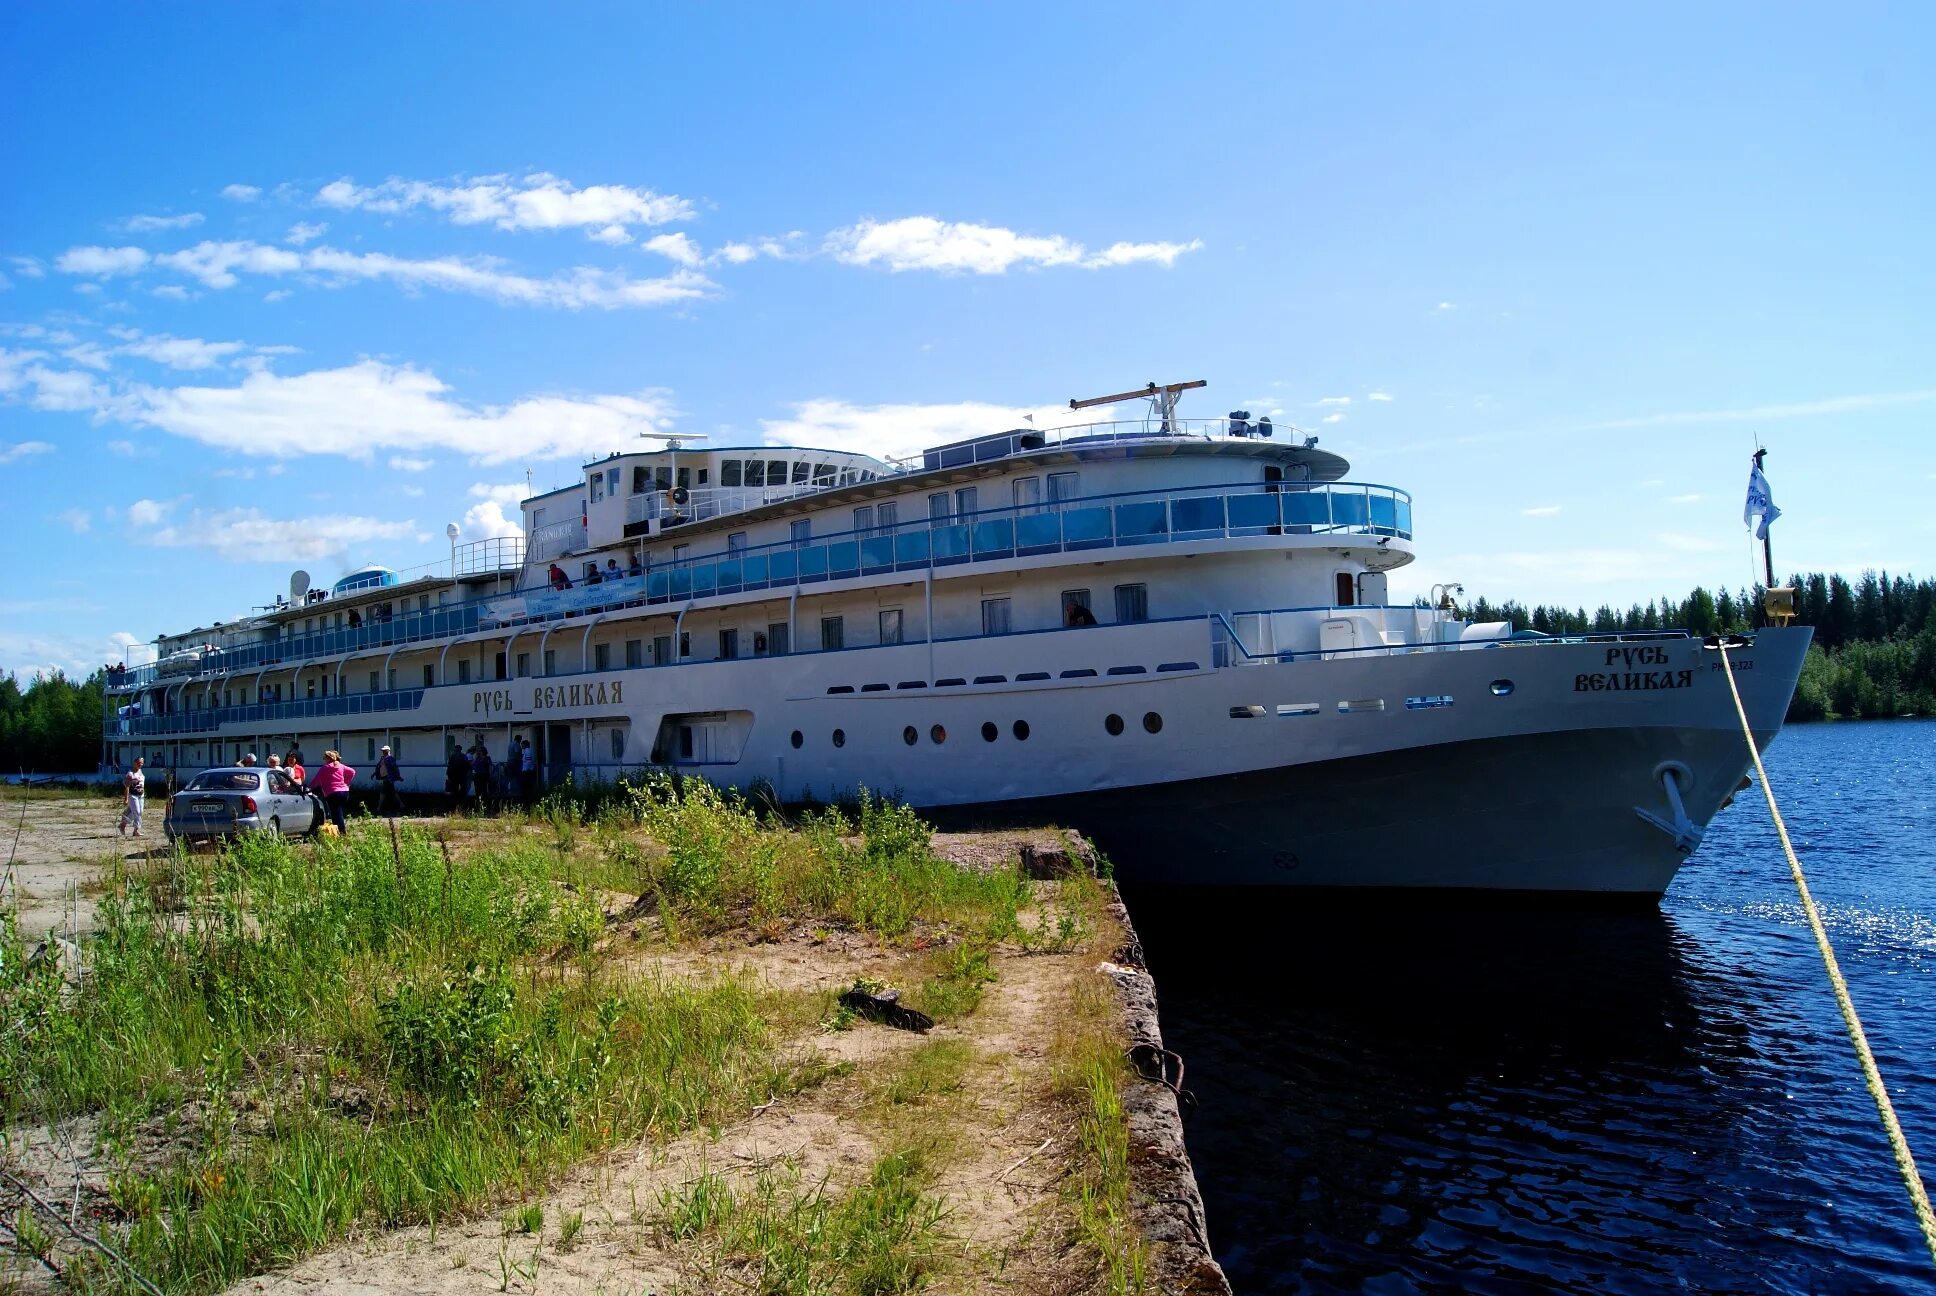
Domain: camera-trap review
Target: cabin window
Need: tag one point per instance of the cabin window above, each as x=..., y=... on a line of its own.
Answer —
x=729, y=473
x=661, y=649
x=1073, y=599
x=679, y=552
x=728, y=644
x=601, y=656
x=833, y=633
x=618, y=744
x=755, y=473
x=889, y=515
x=375, y=681
x=551, y=661
x=800, y=473
x=799, y=532
x=498, y=662
x=890, y=625
x=938, y=506
x=463, y=671
x=634, y=653
x=393, y=683
x=430, y=679
x=685, y=644
x=524, y=665
x=1028, y=494
x=965, y=501
x=1273, y=478
x=994, y=616
x=598, y=487
x=1132, y=603
x=777, y=639
x=736, y=542
x=1347, y=590
x=1063, y=487
x=864, y=520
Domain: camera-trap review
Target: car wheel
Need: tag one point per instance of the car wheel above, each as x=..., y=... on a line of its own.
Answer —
x=275, y=826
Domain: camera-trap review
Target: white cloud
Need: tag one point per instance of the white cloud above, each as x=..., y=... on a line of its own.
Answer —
x=1683, y=499
x=28, y=267
x=1803, y=409
x=147, y=512
x=102, y=261
x=147, y=224
x=241, y=193
x=218, y=264
x=245, y=534
x=779, y=249
x=889, y=431
x=303, y=232
x=497, y=513
x=677, y=247
x=537, y=202
x=1446, y=306
x=370, y=406
x=91, y=354
x=1334, y=400
x=174, y=292
x=612, y=236
x=276, y=295
x=1333, y=418
x=1542, y=511
x=76, y=520
x=1379, y=396
x=175, y=352
x=76, y=656
x=403, y=463
x=928, y=243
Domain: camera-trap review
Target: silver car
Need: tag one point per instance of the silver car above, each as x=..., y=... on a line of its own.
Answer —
x=239, y=799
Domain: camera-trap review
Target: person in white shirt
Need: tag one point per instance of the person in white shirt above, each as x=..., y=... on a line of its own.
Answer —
x=529, y=759
x=134, y=786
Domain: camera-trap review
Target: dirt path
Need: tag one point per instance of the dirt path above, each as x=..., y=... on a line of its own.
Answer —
x=63, y=845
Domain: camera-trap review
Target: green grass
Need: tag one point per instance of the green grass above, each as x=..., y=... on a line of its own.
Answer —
x=382, y=1030
x=1090, y=1073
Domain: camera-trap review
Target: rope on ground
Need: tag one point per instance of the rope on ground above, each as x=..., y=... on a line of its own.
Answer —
x=1905, y=1163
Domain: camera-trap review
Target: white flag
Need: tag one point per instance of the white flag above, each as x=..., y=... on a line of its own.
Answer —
x=1761, y=504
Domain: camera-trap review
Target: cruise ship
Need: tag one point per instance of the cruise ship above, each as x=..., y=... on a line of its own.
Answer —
x=1173, y=634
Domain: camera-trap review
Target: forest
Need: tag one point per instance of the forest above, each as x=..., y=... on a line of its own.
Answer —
x=1874, y=655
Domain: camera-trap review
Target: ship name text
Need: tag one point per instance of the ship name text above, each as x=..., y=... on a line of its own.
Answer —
x=549, y=697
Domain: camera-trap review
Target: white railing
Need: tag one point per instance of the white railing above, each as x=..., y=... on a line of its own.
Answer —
x=711, y=501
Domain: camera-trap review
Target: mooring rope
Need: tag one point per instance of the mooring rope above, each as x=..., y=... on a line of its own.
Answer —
x=1905, y=1163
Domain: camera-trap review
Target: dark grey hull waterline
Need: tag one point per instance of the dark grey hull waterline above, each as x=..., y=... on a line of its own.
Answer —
x=1547, y=813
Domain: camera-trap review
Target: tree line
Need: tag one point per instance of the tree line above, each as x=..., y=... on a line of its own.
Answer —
x=1874, y=653
x=52, y=726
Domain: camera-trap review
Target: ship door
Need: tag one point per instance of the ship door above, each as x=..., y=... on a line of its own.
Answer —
x=1347, y=590
x=556, y=756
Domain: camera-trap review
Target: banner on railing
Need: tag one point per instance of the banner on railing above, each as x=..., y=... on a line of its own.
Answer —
x=579, y=598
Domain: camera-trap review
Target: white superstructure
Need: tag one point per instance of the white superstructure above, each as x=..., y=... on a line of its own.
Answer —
x=1175, y=635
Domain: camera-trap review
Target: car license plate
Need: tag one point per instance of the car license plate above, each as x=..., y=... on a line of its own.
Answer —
x=207, y=807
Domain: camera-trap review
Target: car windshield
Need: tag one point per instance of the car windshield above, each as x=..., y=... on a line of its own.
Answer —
x=225, y=781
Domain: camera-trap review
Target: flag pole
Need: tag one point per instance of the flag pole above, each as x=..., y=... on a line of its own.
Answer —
x=1767, y=545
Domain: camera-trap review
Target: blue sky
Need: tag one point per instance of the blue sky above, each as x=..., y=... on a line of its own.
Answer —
x=296, y=286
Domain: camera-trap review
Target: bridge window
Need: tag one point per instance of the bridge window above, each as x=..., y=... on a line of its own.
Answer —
x=729, y=473
x=800, y=473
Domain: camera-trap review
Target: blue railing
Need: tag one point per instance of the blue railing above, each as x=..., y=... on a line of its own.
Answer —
x=209, y=719
x=1100, y=522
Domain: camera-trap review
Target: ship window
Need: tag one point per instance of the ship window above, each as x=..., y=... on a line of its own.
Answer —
x=463, y=671
x=497, y=663
x=551, y=661
x=938, y=735
x=778, y=639
x=736, y=542
x=679, y=553
x=1062, y=487
x=799, y=532
x=1021, y=730
x=601, y=656
x=833, y=633
x=988, y=731
x=910, y=735
x=965, y=499
x=430, y=673
x=685, y=741
x=685, y=644
x=800, y=473
x=1298, y=708
x=823, y=474
x=662, y=478
x=1252, y=712
x=1113, y=723
x=1347, y=589
x=1152, y=722
x=776, y=472
x=685, y=477
x=641, y=479
x=661, y=649
x=1073, y=599
x=840, y=737
x=994, y=616
x=634, y=653
x=618, y=744
x=1132, y=602
x=524, y=667
x=1028, y=494
x=1502, y=688
x=374, y=677
x=598, y=487
x=890, y=625
x=797, y=739
x=864, y=520
x=890, y=515
x=728, y=644
x=755, y=473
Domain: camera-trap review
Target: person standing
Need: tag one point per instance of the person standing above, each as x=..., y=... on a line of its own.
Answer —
x=388, y=775
x=528, y=763
x=481, y=775
x=292, y=765
x=457, y=778
x=134, y=786
x=332, y=784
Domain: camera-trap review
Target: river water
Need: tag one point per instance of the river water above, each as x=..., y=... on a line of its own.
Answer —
x=1492, y=1098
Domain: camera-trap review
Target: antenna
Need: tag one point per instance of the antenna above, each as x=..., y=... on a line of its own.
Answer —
x=1162, y=400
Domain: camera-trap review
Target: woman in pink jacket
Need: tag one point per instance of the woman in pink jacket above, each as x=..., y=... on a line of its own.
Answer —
x=332, y=784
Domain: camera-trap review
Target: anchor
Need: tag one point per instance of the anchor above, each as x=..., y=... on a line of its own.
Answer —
x=1685, y=833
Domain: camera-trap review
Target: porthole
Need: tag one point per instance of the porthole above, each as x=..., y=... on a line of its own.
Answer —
x=1021, y=730
x=938, y=734
x=840, y=737
x=1152, y=722
x=988, y=731
x=1501, y=688
x=1114, y=724
x=910, y=735
x=798, y=738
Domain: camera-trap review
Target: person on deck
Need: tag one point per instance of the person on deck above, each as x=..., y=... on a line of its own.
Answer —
x=559, y=581
x=1074, y=614
x=333, y=786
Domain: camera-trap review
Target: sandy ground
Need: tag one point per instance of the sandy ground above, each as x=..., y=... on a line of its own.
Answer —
x=63, y=845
